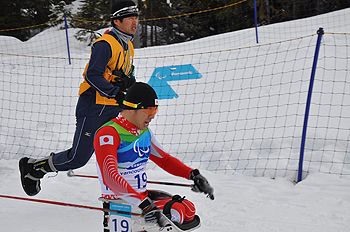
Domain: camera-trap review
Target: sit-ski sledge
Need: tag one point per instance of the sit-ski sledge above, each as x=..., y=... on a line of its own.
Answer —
x=132, y=221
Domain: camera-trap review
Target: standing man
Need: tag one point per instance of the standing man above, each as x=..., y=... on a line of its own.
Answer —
x=125, y=144
x=107, y=76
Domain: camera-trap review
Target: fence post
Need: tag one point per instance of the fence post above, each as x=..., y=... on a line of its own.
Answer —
x=256, y=22
x=65, y=23
x=320, y=32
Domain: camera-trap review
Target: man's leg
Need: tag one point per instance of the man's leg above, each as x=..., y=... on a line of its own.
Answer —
x=33, y=170
x=82, y=148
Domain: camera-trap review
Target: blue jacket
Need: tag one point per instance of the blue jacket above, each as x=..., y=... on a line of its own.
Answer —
x=107, y=54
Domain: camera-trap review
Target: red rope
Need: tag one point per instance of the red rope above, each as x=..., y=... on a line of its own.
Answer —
x=68, y=204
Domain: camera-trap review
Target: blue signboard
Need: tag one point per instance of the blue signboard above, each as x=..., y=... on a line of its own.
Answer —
x=161, y=76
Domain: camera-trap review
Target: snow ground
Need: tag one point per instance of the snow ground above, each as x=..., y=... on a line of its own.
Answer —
x=319, y=203
x=242, y=203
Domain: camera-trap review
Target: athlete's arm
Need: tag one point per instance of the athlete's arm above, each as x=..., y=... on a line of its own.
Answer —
x=167, y=162
x=106, y=143
x=101, y=53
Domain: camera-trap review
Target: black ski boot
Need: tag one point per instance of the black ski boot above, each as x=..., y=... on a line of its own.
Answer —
x=32, y=171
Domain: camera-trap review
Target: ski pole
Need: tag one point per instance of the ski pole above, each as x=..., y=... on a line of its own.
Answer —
x=169, y=183
x=71, y=205
x=70, y=173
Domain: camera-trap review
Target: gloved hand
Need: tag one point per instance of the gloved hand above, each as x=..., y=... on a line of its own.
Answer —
x=150, y=212
x=122, y=81
x=120, y=97
x=201, y=184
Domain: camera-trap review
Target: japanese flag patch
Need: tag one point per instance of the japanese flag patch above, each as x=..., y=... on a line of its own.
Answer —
x=106, y=139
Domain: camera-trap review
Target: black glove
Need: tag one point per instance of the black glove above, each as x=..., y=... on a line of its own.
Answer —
x=150, y=211
x=201, y=184
x=120, y=97
x=122, y=81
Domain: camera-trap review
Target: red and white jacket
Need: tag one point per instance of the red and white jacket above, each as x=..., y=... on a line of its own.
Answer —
x=122, y=151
